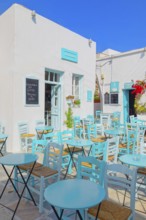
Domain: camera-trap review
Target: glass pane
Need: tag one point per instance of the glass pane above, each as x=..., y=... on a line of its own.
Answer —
x=46, y=75
x=51, y=76
x=57, y=77
x=106, y=98
x=114, y=98
x=56, y=101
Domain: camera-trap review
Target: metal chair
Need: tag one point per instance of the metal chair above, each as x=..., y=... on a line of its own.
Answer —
x=120, y=178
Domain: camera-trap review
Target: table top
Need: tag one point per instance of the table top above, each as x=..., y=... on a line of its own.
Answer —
x=3, y=136
x=74, y=194
x=137, y=160
x=79, y=142
x=18, y=159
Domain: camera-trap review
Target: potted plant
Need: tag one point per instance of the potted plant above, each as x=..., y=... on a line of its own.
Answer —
x=69, y=118
x=77, y=102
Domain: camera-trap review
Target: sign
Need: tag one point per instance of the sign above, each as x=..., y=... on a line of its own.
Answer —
x=32, y=91
x=69, y=55
x=128, y=85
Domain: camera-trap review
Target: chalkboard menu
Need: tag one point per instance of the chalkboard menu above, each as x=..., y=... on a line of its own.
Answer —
x=32, y=91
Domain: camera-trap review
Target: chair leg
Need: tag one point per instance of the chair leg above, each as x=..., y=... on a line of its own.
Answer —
x=16, y=178
x=41, y=194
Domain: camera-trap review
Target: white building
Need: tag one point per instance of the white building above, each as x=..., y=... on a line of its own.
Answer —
x=116, y=74
x=41, y=63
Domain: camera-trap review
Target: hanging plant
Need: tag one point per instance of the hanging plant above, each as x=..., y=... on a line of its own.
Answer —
x=140, y=96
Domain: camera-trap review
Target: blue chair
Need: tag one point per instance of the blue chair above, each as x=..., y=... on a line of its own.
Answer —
x=78, y=128
x=115, y=120
x=91, y=168
x=115, y=177
x=51, y=169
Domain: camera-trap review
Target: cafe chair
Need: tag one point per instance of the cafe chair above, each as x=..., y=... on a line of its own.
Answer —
x=26, y=138
x=130, y=145
x=91, y=168
x=46, y=174
x=122, y=179
x=60, y=137
x=111, y=150
x=78, y=127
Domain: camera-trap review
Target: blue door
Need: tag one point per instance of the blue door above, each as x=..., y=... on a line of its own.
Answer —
x=126, y=105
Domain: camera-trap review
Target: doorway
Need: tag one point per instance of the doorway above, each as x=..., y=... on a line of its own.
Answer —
x=53, y=99
x=128, y=104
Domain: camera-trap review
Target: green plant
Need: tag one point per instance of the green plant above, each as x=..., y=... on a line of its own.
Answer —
x=77, y=102
x=69, y=118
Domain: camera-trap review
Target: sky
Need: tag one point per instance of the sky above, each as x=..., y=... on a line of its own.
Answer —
x=116, y=24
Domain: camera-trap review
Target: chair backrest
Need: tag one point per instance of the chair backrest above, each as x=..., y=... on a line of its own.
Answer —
x=38, y=145
x=133, y=119
x=142, y=148
x=105, y=120
x=40, y=123
x=132, y=140
x=121, y=177
x=98, y=150
x=66, y=135
x=115, y=119
x=91, y=168
x=111, y=151
x=52, y=137
x=53, y=156
x=23, y=128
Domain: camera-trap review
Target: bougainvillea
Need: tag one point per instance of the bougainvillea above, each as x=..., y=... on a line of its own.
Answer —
x=140, y=96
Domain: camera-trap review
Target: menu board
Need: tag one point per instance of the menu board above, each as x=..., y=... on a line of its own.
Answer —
x=32, y=91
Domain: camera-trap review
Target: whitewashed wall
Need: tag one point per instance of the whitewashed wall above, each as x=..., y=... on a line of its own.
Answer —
x=29, y=46
x=123, y=67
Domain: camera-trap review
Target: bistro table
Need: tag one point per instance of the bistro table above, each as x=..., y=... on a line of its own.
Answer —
x=138, y=160
x=77, y=145
x=3, y=138
x=40, y=130
x=74, y=194
x=15, y=160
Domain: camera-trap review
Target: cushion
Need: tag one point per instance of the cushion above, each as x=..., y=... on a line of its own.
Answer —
x=110, y=210
x=27, y=135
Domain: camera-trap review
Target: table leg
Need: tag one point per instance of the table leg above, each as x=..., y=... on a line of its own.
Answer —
x=9, y=179
x=56, y=213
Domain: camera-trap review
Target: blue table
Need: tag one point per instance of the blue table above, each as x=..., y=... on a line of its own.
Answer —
x=43, y=130
x=77, y=143
x=74, y=194
x=3, y=138
x=137, y=160
x=15, y=160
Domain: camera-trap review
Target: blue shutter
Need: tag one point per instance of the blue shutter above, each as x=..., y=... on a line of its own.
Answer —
x=89, y=96
x=114, y=87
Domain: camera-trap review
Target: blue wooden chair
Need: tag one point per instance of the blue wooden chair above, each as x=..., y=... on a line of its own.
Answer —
x=78, y=127
x=50, y=170
x=115, y=177
x=91, y=168
x=60, y=137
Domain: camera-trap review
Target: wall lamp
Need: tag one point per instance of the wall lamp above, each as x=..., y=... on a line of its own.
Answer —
x=90, y=42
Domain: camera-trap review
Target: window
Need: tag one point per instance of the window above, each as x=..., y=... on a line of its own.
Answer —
x=114, y=98
x=106, y=98
x=52, y=76
x=76, y=86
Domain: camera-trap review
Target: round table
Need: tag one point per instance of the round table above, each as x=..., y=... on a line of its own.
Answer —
x=138, y=160
x=77, y=194
x=15, y=160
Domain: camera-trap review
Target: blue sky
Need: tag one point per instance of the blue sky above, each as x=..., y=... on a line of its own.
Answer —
x=115, y=24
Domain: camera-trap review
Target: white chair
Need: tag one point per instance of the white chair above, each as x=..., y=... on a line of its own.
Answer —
x=120, y=178
x=26, y=138
x=105, y=120
x=50, y=170
x=111, y=150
